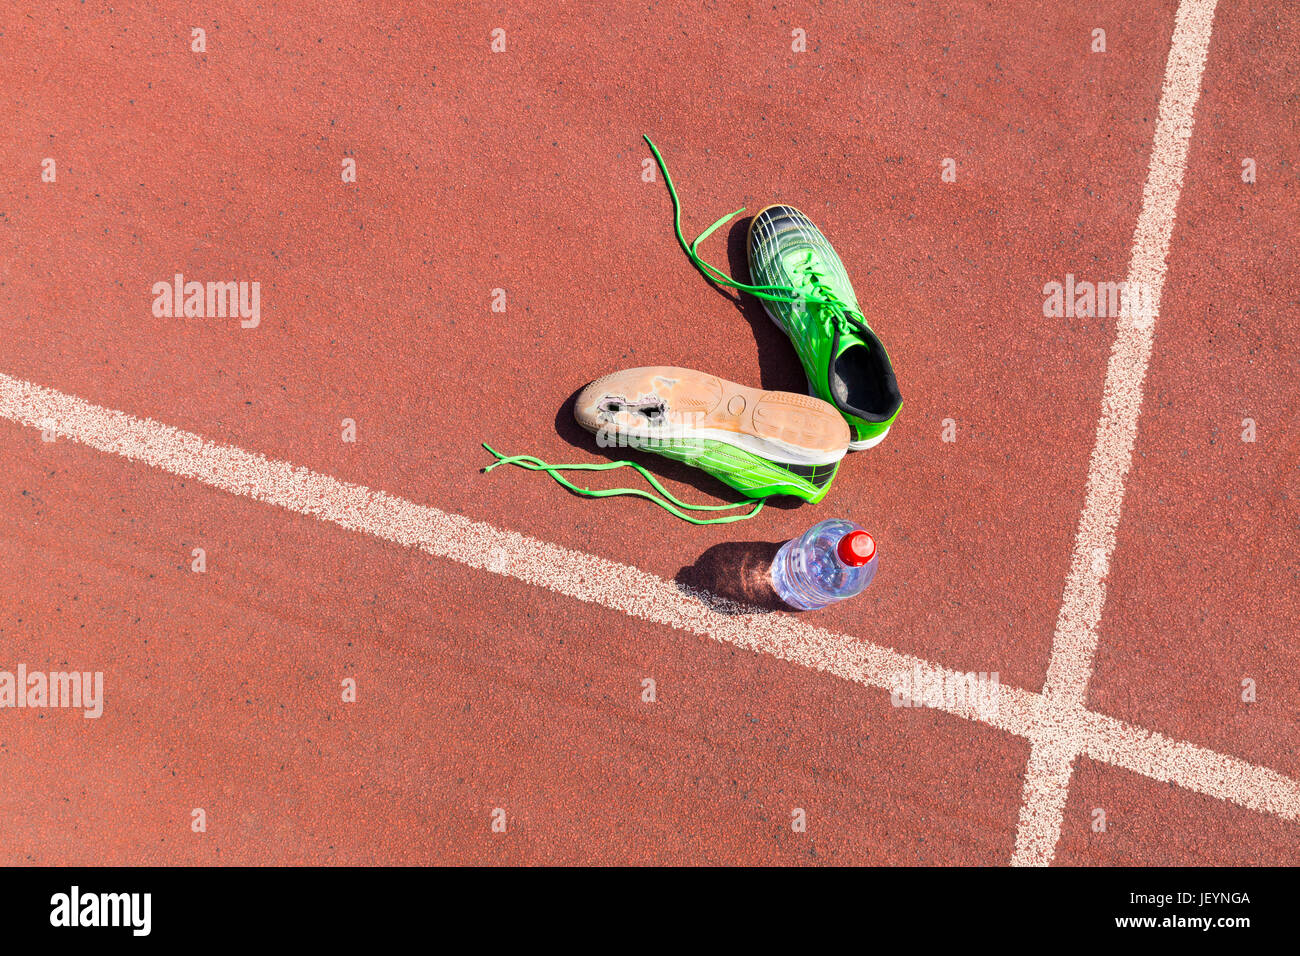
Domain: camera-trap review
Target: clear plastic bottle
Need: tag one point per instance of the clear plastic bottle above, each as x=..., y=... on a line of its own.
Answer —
x=833, y=560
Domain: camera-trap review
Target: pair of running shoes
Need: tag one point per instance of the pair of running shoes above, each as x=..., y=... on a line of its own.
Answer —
x=762, y=443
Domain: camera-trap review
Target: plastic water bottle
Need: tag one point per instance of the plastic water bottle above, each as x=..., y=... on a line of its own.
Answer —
x=832, y=561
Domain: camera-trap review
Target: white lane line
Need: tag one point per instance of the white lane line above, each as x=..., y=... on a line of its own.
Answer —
x=1070, y=665
x=631, y=591
x=1189, y=766
x=575, y=574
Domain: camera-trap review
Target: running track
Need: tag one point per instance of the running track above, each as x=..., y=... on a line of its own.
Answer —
x=1098, y=534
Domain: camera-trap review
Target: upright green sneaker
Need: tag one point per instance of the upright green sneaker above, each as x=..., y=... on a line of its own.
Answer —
x=845, y=361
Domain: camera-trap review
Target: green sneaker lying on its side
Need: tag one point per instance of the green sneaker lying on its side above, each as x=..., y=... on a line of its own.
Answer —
x=845, y=362
x=761, y=443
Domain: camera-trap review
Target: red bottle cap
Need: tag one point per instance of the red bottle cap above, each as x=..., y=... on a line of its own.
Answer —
x=856, y=548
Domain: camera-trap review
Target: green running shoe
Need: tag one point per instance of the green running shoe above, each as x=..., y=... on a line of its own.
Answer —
x=758, y=442
x=845, y=361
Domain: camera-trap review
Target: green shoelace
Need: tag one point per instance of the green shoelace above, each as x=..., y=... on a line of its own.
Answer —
x=665, y=499
x=833, y=308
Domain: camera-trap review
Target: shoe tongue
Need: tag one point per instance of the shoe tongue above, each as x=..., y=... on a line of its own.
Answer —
x=848, y=338
x=794, y=259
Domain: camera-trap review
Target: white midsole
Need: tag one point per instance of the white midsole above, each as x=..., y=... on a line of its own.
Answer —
x=772, y=449
x=868, y=442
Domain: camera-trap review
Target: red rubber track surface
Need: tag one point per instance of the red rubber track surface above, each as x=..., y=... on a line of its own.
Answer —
x=522, y=171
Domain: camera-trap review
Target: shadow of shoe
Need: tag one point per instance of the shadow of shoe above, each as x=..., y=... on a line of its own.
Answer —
x=779, y=368
x=733, y=578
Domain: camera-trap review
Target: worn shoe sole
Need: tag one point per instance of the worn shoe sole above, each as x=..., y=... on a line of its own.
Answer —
x=663, y=401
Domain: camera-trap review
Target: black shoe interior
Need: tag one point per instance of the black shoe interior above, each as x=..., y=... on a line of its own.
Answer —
x=862, y=382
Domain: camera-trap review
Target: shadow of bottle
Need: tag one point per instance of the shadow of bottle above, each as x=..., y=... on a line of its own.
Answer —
x=734, y=577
